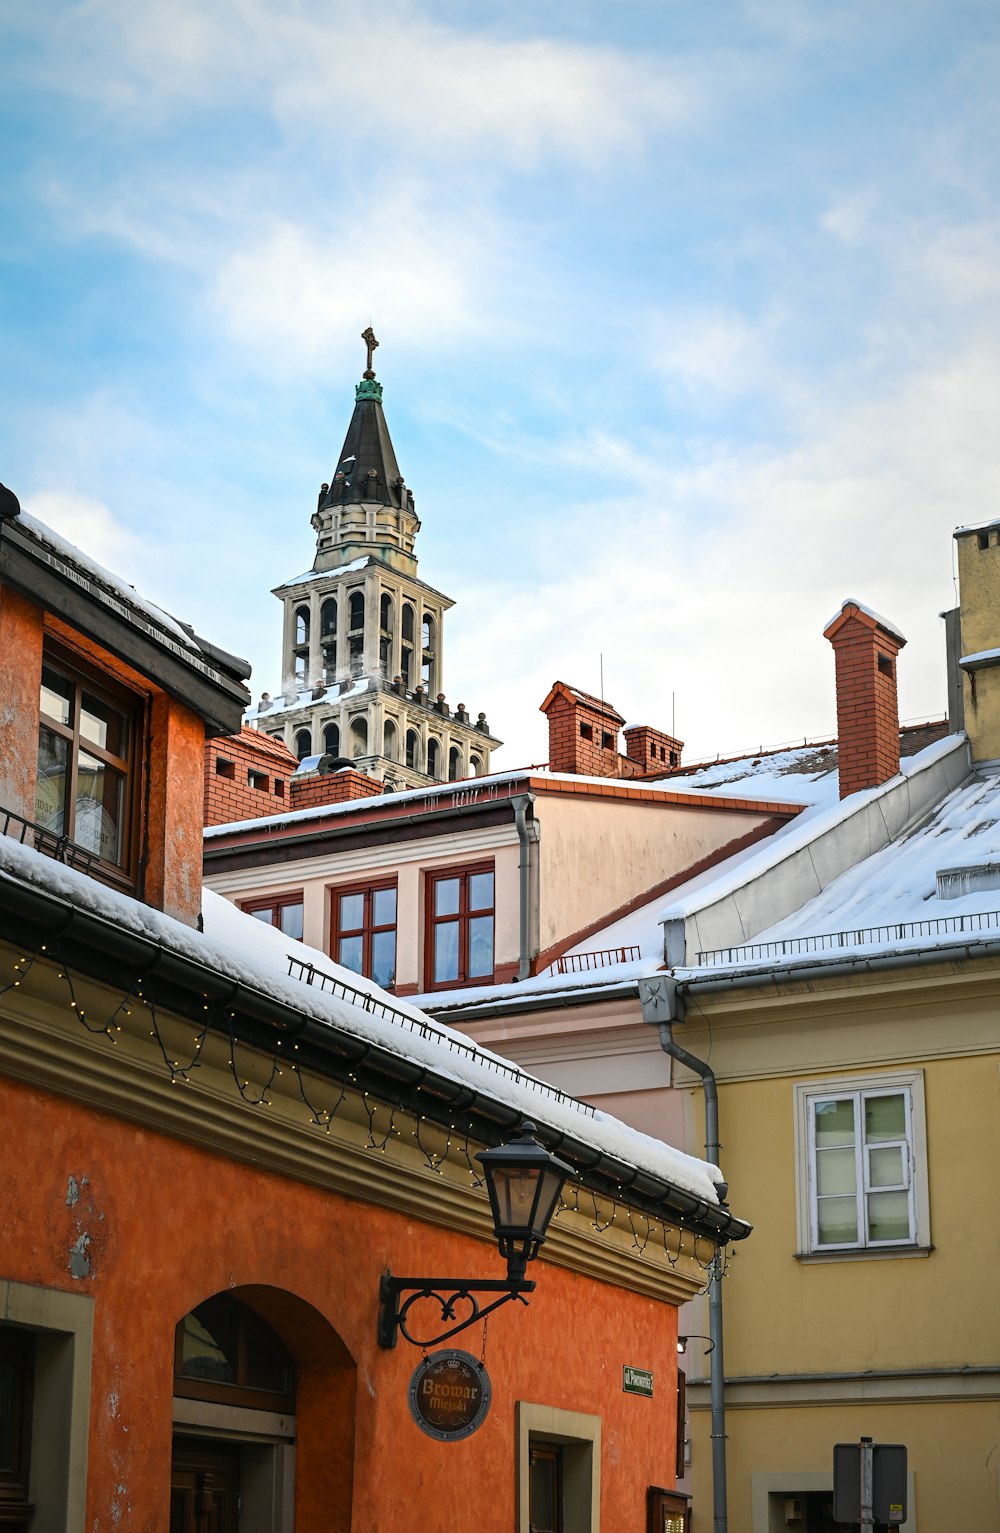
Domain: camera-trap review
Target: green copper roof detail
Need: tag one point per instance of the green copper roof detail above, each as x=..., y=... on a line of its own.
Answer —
x=368, y=388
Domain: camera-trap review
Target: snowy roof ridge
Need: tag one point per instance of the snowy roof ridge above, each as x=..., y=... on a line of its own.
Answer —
x=256, y=956
x=802, y=859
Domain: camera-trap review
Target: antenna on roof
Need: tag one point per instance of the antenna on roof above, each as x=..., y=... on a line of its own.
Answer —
x=602, y=678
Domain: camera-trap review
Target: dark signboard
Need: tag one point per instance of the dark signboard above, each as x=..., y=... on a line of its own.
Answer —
x=637, y=1381
x=888, y=1482
x=450, y=1394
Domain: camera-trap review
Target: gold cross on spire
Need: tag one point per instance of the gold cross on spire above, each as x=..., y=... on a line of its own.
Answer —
x=368, y=336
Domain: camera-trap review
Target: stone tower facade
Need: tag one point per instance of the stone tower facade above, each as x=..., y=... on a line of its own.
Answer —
x=363, y=640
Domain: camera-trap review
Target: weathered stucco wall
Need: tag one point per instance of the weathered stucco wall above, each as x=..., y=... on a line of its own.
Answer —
x=167, y=1224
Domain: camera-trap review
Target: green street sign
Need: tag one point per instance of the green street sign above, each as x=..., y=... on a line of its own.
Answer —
x=637, y=1381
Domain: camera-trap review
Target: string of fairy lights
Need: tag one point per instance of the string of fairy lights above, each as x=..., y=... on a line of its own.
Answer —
x=387, y=1121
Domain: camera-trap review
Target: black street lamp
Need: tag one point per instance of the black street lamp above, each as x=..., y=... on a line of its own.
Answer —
x=524, y=1182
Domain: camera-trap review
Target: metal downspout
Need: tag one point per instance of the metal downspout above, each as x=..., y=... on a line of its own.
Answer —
x=527, y=835
x=653, y=996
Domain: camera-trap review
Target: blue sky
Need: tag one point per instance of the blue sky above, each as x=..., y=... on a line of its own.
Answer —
x=688, y=320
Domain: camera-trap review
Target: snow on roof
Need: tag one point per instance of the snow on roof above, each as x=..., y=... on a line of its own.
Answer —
x=303, y=697
x=820, y=817
x=341, y=569
x=112, y=583
x=982, y=657
x=898, y=885
x=804, y=774
x=883, y=622
x=256, y=955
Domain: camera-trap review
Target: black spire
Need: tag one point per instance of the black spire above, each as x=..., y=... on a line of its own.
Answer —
x=367, y=469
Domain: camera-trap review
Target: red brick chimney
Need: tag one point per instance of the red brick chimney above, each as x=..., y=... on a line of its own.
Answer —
x=865, y=647
x=246, y=776
x=583, y=733
x=652, y=751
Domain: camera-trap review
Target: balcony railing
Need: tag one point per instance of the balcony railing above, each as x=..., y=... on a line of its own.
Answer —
x=596, y=958
x=49, y=842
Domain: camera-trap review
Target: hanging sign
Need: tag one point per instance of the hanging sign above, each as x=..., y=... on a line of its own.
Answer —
x=450, y=1394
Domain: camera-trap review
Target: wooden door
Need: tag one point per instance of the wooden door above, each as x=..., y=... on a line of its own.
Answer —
x=204, y=1487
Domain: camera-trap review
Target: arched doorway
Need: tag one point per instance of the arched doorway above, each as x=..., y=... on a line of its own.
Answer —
x=251, y=1366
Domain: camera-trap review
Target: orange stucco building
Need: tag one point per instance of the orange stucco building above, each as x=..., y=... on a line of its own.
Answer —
x=215, y=1147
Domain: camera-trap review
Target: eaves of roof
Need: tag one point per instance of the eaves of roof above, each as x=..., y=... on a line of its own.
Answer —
x=457, y=799
x=97, y=946
x=204, y=677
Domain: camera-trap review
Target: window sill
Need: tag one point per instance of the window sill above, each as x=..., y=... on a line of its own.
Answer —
x=880, y=1253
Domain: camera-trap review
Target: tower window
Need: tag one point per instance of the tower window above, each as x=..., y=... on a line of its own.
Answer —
x=357, y=610
x=301, y=625
x=433, y=752
x=385, y=614
x=331, y=740
x=413, y=750
x=328, y=617
x=408, y=622
x=303, y=743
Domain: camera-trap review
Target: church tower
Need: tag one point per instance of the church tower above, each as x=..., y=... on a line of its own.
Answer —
x=363, y=645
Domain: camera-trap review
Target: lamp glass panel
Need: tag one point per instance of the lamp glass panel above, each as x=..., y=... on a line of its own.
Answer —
x=515, y=1189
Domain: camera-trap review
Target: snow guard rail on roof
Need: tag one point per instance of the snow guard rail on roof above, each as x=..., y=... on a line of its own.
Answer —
x=298, y=968
x=863, y=936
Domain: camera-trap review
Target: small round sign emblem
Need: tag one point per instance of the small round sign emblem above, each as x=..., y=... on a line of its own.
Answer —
x=450, y=1394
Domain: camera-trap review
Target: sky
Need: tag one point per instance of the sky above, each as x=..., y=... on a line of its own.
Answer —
x=688, y=317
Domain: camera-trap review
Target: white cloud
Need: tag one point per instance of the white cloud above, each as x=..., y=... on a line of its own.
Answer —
x=716, y=585
x=354, y=71
x=91, y=526
x=295, y=295
x=708, y=351
x=849, y=219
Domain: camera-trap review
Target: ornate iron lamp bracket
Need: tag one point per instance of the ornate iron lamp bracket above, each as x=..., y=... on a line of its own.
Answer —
x=446, y=1293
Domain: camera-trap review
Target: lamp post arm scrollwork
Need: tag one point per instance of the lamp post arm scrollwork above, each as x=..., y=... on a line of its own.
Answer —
x=447, y=1293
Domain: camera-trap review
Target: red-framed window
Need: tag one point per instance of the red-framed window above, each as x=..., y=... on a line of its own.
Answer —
x=281, y=910
x=363, y=933
x=460, y=926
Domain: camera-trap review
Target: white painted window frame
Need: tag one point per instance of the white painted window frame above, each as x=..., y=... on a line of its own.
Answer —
x=910, y=1083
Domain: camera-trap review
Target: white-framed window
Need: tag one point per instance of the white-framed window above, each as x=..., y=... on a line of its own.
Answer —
x=861, y=1153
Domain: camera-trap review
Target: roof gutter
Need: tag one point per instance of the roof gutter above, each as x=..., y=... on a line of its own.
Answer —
x=837, y=968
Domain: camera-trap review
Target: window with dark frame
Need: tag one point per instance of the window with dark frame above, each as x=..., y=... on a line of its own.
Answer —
x=89, y=739
x=284, y=911
x=363, y=936
x=545, y=1487
x=17, y=1365
x=460, y=926
x=224, y=1352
